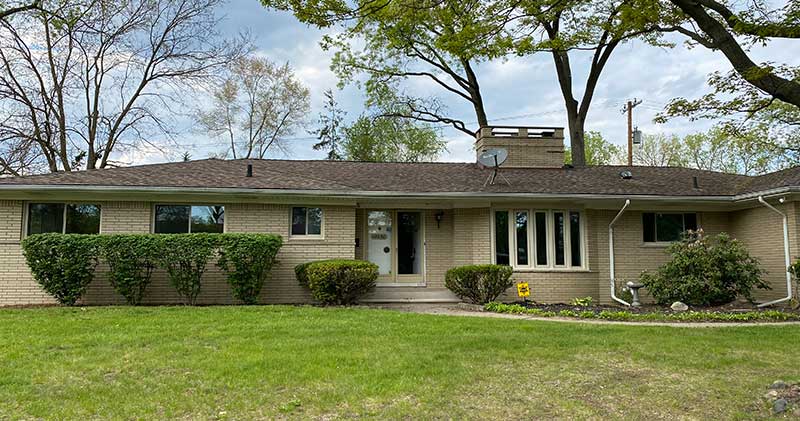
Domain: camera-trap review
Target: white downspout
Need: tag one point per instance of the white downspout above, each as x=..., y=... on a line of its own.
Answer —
x=611, y=254
x=786, y=256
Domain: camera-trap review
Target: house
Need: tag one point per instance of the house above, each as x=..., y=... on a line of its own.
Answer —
x=414, y=220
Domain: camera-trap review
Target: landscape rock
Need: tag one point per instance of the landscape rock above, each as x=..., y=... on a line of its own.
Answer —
x=679, y=306
x=780, y=406
x=778, y=384
x=771, y=395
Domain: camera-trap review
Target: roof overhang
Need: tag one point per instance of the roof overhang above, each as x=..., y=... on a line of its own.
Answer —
x=130, y=193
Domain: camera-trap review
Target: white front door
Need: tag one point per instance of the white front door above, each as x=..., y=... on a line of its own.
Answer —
x=396, y=243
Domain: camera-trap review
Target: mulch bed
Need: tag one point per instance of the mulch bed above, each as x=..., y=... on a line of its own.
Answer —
x=735, y=307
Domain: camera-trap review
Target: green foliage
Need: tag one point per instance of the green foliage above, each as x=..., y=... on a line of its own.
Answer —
x=660, y=150
x=627, y=316
x=391, y=139
x=338, y=281
x=331, y=127
x=247, y=260
x=301, y=274
x=479, y=283
x=185, y=257
x=583, y=302
x=705, y=272
x=597, y=149
x=63, y=264
x=131, y=259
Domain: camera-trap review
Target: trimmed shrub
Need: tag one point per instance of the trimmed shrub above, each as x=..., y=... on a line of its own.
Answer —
x=479, y=283
x=300, y=273
x=63, y=264
x=185, y=257
x=705, y=272
x=131, y=259
x=247, y=260
x=338, y=281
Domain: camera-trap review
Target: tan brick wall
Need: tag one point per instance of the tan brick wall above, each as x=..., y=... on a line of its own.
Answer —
x=761, y=231
x=17, y=286
x=462, y=238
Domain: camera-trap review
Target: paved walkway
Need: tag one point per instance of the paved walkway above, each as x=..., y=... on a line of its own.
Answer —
x=459, y=310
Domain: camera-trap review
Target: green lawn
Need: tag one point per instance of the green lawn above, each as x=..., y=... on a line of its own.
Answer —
x=301, y=362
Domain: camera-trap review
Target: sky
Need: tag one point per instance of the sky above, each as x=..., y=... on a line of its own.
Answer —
x=520, y=91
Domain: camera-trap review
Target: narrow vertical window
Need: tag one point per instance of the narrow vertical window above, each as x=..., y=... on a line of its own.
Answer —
x=575, y=238
x=541, y=239
x=558, y=238
x=522, y=238
x=501, y=248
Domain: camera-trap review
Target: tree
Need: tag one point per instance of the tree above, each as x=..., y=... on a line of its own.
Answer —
x=8, y=11
x=385, y=139
x=732, y=149
x=598, y=151
x=598, y=27
x=660, y=150
x=718, y=26
x=76, y=90
x=439, y=41
x=330, y=132
x=255, y=107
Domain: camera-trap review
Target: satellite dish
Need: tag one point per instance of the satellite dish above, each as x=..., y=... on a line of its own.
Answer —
x=493, y=158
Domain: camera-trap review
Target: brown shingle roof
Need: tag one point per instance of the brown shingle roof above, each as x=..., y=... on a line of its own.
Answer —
x=346, y=176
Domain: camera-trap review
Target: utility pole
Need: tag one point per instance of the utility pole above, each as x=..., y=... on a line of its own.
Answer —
x=628, y=108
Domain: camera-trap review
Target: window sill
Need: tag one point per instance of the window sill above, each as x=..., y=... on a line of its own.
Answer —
x=400, y=284
x=657, y=244
x=306, y=238
x=553, y=270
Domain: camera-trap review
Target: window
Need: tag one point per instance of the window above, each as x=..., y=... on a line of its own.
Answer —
x=522, y=238
x=501, y=245
x=306, y=221
x=541, y=239
x=558, y=238
x=553, y=238
x=666, y=227
x=63, y=218
x=182, y=219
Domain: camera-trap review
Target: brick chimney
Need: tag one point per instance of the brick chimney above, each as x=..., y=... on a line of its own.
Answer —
x=528, y=147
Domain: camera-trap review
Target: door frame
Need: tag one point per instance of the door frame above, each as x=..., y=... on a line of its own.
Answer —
x=395, y=279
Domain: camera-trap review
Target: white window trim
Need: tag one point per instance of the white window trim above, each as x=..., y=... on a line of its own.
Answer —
x=320, y=236
x=190, y=205
x=550, y=241
x=26, y=214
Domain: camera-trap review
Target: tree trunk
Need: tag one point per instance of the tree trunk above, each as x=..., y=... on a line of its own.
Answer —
x=576, y=140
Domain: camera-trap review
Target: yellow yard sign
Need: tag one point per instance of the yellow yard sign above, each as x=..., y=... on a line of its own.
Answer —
x=523, y=290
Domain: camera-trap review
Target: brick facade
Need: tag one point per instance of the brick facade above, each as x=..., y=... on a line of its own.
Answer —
x=462, y=237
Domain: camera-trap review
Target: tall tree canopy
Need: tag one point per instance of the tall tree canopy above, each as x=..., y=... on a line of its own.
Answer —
x=598, y=151
x=255, y=107
x=88, y=78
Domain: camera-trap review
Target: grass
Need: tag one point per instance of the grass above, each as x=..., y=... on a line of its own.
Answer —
x=302, y=362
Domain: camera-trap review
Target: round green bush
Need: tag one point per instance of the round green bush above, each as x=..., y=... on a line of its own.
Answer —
x=479, y=284
x=338, y=281
x=705, y=272
x=185, y=257
x=63, y=264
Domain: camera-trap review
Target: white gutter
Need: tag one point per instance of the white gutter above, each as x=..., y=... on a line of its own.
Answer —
x=27, y=188
x=786, y=256
x=611, y=254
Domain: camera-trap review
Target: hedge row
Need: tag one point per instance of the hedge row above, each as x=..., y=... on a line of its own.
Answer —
x=627, y=316
x=64, y=264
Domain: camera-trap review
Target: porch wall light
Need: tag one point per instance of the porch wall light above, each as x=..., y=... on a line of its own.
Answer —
x=439, y=217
